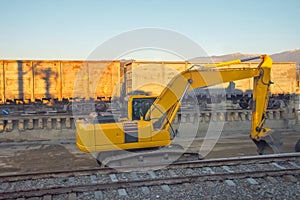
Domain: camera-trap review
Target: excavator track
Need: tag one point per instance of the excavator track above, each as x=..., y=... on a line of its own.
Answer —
x=143, y=157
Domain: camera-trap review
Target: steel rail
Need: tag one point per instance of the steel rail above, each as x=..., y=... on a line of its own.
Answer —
x=147, y=183
x=150, y=166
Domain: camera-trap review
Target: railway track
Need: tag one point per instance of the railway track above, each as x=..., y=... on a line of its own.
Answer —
x=252, y=175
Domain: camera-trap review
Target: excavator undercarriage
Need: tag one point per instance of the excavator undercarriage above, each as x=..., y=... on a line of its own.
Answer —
x=145, y=157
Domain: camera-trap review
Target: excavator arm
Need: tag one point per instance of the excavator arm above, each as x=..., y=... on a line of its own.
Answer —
x=167, y=104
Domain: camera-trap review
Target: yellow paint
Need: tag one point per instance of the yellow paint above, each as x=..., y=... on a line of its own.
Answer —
x=145, y=130
x=85, y=136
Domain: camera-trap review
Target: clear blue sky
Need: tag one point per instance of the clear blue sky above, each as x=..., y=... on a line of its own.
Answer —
x=70, y=29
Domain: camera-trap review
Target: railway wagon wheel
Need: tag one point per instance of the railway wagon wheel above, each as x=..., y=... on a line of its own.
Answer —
x=244, y=103
x=72, y=108
x=101, y=106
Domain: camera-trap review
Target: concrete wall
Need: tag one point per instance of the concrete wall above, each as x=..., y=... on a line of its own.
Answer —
x=188, y=122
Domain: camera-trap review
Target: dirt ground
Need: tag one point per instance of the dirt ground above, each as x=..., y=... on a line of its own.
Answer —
x=35, y=156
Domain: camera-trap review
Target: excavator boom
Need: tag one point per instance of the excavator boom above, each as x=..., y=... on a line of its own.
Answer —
x=193, y=78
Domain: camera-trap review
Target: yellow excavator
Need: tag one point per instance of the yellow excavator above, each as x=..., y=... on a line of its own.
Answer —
x=148, y=125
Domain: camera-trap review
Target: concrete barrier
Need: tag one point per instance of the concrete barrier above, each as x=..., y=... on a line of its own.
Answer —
x=24, y=123
x=51, y=126
x=61, y=122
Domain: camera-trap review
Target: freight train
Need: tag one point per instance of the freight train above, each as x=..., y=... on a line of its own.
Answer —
x=36, y=86
x=51, y=86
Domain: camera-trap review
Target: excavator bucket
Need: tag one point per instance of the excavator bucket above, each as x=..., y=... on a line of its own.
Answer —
x=270, y=143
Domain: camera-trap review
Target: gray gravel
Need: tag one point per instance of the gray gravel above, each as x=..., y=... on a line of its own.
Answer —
x=286, y=187
x=219, y=190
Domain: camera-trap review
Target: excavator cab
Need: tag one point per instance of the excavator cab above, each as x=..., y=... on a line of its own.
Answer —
x=138, y=106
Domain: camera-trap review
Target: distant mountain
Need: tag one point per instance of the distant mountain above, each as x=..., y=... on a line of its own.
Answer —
x=286, y=56
x=223, y=58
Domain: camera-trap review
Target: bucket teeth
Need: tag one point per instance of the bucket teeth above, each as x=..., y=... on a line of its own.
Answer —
x=261, y=146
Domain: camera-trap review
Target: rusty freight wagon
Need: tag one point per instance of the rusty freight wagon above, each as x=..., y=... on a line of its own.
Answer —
x=151, y=77
x=52, y=85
